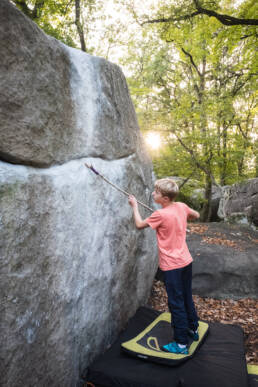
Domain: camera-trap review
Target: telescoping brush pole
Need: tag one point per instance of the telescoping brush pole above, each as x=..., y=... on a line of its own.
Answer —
x=115, y=186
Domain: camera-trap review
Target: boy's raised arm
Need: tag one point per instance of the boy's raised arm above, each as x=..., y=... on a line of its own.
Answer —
x=193, y=214
x=139, y=222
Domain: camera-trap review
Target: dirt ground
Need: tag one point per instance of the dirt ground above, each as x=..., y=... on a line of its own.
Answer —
x=243, y=312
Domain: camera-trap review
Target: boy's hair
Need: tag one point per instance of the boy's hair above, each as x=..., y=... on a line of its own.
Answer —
x=167, y=187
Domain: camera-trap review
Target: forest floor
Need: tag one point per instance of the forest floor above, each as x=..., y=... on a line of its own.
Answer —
x=243, y=312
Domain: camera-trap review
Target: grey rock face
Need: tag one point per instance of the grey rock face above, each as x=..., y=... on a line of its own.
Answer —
x=216, y=197
x=36, y=109
x=57, y=103
x=239, y=202
x=73, y=268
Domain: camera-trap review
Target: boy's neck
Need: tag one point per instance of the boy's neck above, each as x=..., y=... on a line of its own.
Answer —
x=167, y=204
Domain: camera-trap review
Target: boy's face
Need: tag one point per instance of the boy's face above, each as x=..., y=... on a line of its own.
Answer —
x=157, y=196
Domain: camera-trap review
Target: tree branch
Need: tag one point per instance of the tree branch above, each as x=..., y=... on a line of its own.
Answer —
x=186, y=180
x=241, y=130
x=171, y=19
x=37, y=9
x=224, y=19
x=197, y=163
x=247, y=36
x=191, y=60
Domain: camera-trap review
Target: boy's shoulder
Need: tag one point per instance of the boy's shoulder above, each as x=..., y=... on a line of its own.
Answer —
x=181, y=204
x=174, y=204
x=163, y=211
x=177, y=206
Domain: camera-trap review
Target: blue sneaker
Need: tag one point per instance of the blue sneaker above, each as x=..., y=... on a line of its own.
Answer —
x=174, y=348
x=193, y=334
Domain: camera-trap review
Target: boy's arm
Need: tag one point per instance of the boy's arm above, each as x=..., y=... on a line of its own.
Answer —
x=139, y=222
x=192, y=215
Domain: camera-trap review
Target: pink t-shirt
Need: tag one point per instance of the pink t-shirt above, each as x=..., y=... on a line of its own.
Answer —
x=170, y=225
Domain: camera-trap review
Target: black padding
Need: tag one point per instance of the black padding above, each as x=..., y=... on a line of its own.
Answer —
x=253, y=380
x=220, y=361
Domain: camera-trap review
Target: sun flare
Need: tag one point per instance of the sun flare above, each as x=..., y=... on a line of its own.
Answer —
x=153, y=140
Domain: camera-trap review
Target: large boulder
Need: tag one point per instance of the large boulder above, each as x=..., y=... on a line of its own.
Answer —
x=73, y=267
x=57, y=104
x=239, y=203
x=225, y=260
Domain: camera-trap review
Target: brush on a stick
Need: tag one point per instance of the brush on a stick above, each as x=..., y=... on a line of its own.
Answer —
x=115, y=186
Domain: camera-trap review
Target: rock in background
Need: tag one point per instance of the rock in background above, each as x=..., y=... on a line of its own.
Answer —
x=73, y=268
x=239, y=203
x=225, y=260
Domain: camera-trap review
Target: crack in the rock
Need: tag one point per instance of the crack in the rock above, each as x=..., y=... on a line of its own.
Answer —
x=16, y=161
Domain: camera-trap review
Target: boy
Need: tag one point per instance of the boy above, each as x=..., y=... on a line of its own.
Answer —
x=174, y=259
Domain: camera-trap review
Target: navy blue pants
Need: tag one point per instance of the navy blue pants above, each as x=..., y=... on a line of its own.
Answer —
x=178, y=284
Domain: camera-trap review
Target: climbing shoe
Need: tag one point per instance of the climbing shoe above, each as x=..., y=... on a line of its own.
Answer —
x=193, y=334
x=174, y=348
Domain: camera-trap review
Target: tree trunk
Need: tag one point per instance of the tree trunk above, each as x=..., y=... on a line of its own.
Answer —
x=207, y=208
x=256, y=158
x=79, y=24
x=240, y=166
x=224, y=156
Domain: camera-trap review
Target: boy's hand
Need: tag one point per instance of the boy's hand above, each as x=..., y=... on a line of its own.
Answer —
x=193, y=215
x=132, y=201
x=137, y=217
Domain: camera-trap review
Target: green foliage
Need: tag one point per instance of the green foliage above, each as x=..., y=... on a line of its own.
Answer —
x=199, y=80
x=192, y=79
x=197, y=74
x=192, y=198
x=56, y=18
